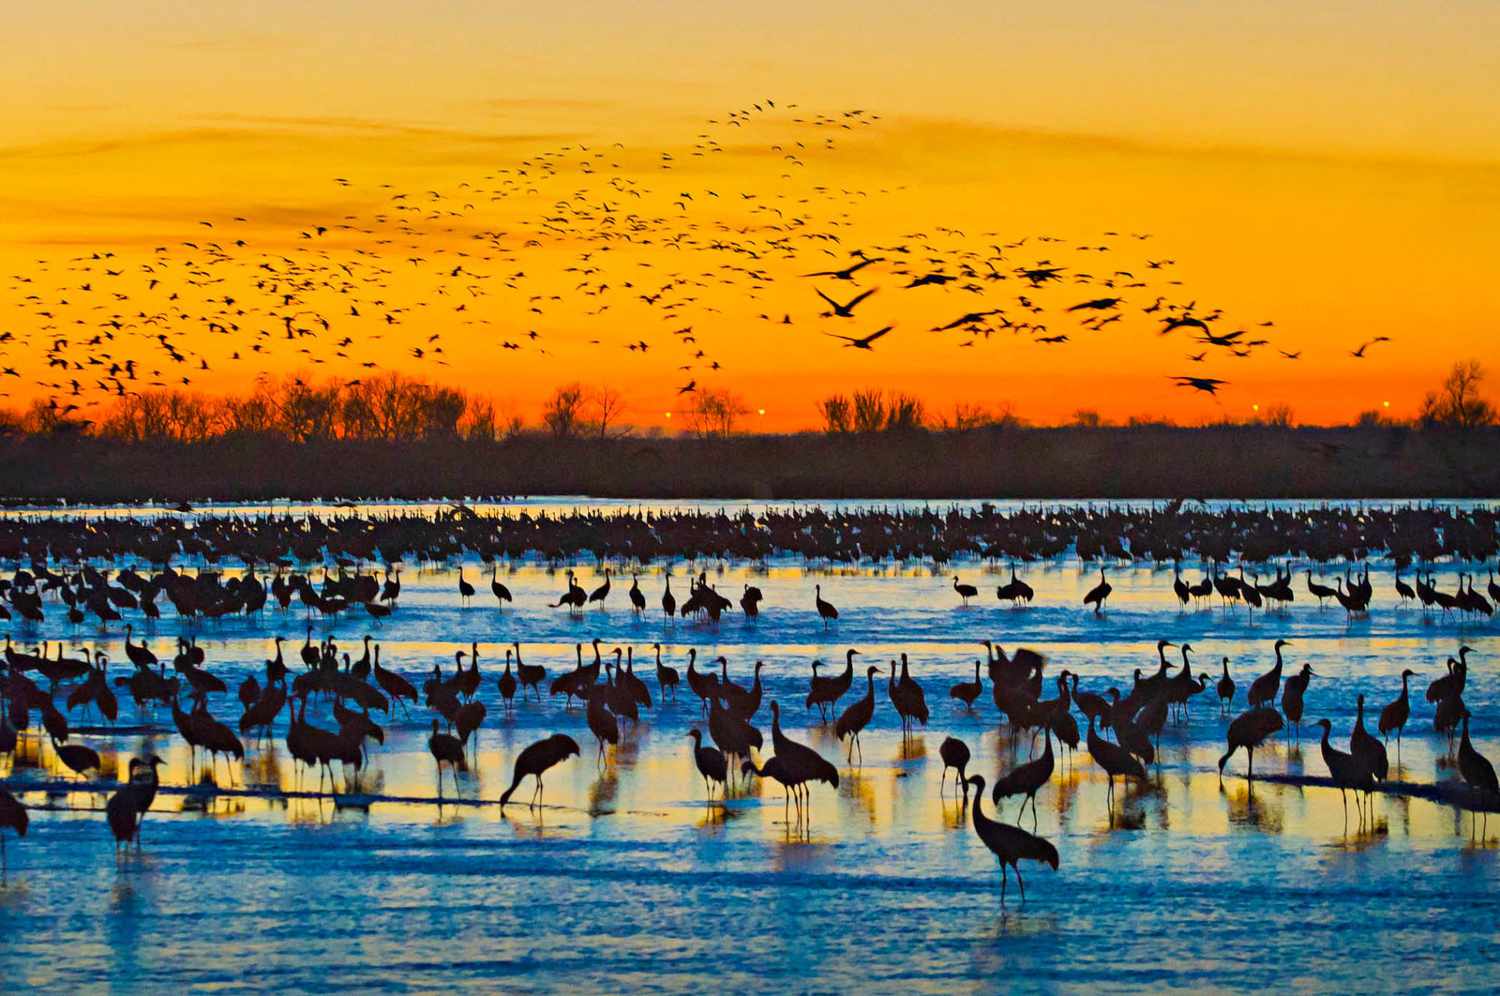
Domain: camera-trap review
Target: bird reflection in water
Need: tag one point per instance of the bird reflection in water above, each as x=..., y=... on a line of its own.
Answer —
x=857, y=787
x=603, y=791
x=913, y=748
x=1257, y=807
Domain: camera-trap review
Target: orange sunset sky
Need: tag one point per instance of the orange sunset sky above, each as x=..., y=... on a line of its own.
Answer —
x=518, y=168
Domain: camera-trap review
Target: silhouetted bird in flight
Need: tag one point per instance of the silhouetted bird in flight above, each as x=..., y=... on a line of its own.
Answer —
x=1208, y=385
x=852, y=343
x=843, y=310
x=848, y=272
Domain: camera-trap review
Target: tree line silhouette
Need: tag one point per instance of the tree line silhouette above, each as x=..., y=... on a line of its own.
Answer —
x=392, y=436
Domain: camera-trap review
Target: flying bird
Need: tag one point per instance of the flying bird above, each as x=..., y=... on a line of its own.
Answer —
x=863, y=343
x=1208, y=385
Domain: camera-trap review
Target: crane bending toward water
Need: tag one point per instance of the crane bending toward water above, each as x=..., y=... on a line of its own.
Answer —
x=1010, y=845
x=535, y=761
x=955, y=755
x=1249, y=730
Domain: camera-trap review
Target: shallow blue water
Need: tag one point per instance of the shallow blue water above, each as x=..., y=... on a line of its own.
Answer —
x=628, y=879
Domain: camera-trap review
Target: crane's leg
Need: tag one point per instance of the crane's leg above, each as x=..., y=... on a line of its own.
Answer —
x=1022, y=881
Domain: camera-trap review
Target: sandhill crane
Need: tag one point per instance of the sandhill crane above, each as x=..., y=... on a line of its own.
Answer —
x=602, y=723
x=1346, y=771
x=139, y=654
x=955, y=755
x=499, y=590
x=446, y=749
x=908, y=697
x=1014, y=591
x=965, y=591
x=826, y=691
x=710, y=761
x=750, y=601
x=666, y=677
x=530, y=675
x=394, y=685
x=1098, y=594
x=600, y=593
x=76, y=757
x=668, y=600
x=465, y=589
x=1394, y=715
x=1367, y=749
x=1116, y=761
x=507, y=683
x=1225, y=688
x=1319, y=591
x=536, y=760
x=1010, y=845
x=1263, y=689
x=854, y=719
x=967, y=691
x=800, y=761
x=826, y=611
x=126, y=809
x=573, y=598
x=1249, y=730
x=1477, y=771
x=705, y=685
x=1292, y=697
x=774, y=769
x=1180, y=588
x=637, y=597
x=1026, y=779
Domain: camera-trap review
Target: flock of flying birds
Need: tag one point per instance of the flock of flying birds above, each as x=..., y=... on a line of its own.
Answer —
x=595, y=246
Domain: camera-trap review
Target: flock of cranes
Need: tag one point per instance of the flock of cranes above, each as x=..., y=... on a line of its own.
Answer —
x=332, y=710
x=1121, y=730
x=585, y=251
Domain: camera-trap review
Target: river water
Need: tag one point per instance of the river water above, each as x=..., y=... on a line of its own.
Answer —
x=628, y=878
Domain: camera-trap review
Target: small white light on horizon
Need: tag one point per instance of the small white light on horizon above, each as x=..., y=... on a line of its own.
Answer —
x=667, y=414
x=761, y=411
x=1386, y=403
x=1255, y=408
